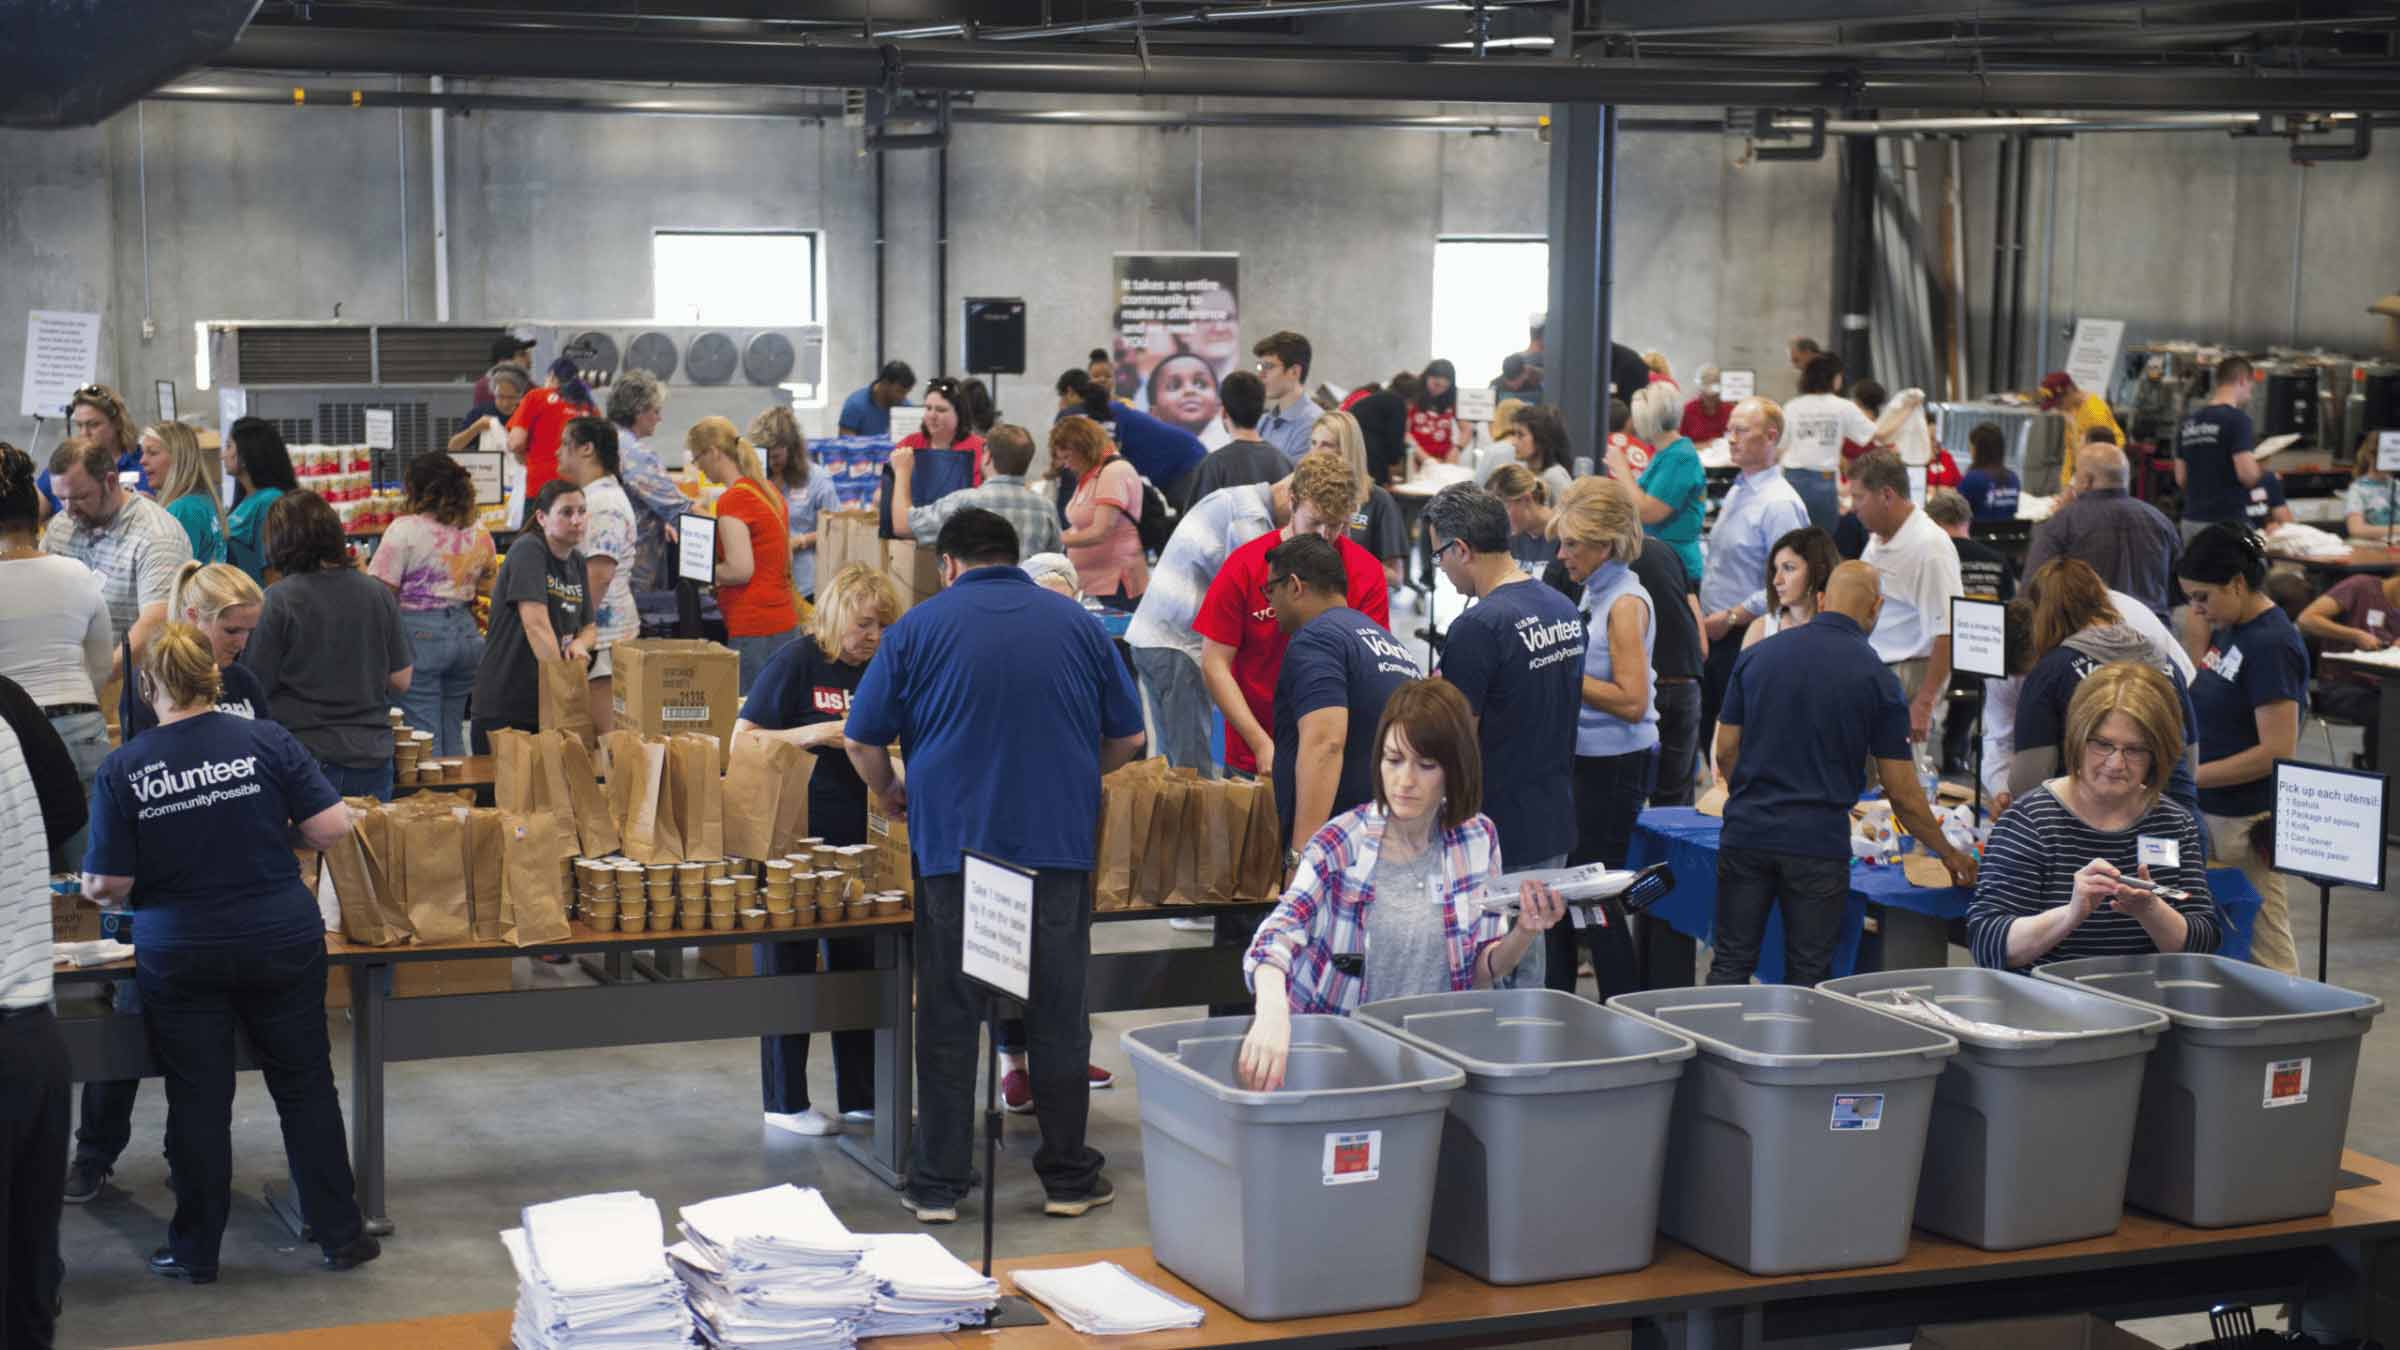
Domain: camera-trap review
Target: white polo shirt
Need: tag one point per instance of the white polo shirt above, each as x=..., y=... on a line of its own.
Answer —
x=1919, y=567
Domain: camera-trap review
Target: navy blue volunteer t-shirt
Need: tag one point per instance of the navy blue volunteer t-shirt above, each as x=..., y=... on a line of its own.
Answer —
x=1341, y=659
x=199, y=814
x=800, y=688
x=2264, y=498
x=2049, y=690
x=1813, y=704
x=239, y=695
x=2206, y=443
x=1517, y=655
x=2247, y=667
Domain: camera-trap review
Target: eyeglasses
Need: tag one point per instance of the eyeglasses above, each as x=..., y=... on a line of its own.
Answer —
x=1274, y=582
x=1445, y=548
x=2100, y=752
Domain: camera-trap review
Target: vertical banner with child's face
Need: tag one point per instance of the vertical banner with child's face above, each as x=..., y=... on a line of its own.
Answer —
x=1177, y=334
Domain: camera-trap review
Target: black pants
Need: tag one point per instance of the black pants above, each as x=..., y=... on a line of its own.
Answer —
x=106, y=1117
x=1750, y=881
x=783, y=1060
x=480, y=729
x=1058, y=1040
x=193, y=999
x=1678, y=742
x=33, y=1174
x=1609, y=791
x=1714, y=676
x=2358, y=703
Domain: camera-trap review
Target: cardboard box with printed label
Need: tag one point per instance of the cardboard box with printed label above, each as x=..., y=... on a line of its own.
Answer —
x=892, y=870
x=73, y=919
x=672, y=686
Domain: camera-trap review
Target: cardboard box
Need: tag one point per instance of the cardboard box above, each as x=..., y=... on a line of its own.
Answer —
x=890, y=838
x=736, y=958
x=73, y=919
x=427, y=979
x=2031, y=1333
x=672, y=686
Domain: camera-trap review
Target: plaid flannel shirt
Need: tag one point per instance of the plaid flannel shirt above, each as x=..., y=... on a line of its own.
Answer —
x=1324, y=911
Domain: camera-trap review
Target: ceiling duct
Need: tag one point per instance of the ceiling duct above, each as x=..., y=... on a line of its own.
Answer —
x=70, y=63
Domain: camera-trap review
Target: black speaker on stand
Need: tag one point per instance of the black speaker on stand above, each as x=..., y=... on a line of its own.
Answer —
x=994, y=336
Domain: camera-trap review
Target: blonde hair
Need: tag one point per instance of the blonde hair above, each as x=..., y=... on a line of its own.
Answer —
x=1768, y=407
x=1598, y=510
x=2144, y=696
x=1512, y=481
x=189, y=468
x=209, y=590
x=1658, y=361
x=1351, y=443
x=777, y=429
x=1504, y=416
x=181, y=662
x=840, y=600
x=1331, y=488
x=715, y=435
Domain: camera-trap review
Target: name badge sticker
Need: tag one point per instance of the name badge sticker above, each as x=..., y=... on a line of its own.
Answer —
x=2161, y=852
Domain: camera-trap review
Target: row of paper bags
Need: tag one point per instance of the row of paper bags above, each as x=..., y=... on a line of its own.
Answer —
x=664, y=801
x=1170, y=837
x=434, y=867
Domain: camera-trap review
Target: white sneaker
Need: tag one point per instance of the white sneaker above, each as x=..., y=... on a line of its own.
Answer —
x=859, y=1117
x=812, y=1122
x=1192, y=925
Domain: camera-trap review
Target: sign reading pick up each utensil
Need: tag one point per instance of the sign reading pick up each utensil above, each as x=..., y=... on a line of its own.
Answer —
x=2330, y=823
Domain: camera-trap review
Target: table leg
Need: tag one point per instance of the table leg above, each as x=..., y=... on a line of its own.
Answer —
x=1669, y=959
x=370, y=986
x=2375, y=1306
x=885, y=1152
x=1913, y=941
x=2387, y=736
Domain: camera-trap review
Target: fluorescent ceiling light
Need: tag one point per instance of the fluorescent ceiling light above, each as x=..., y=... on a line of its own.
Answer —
x=1503, y=42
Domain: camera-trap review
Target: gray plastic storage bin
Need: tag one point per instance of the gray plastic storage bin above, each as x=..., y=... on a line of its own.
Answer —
x=1798, y=1129
x=2247, y=1099
x=1302, y=1202
x=2030, y=1138
x=1523, y=1195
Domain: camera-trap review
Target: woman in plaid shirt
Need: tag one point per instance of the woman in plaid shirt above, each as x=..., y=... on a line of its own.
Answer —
x=1423, y=847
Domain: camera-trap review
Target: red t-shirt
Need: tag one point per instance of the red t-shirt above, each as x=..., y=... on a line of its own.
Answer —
x=1943, y=472
x=544, y=415
x=1236, y=613
x=1637, y=451
x=1702, y=426
x=1432, y=433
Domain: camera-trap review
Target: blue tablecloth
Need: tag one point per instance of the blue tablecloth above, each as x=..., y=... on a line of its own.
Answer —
x=1683, y=837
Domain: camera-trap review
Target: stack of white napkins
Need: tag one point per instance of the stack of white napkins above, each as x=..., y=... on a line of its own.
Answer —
x=591, y=1276
x=773, y=1270
x=1105, y=1299
x=921, y=1289
x=83, y=955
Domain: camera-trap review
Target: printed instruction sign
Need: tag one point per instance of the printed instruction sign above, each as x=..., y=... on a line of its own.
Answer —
x=2387, y=451
x=379, y=428
x=997, y=947
x=1735, y=385
x=2092, y=355
x=2330, y=823
x=696, y=542
x=1477, y=405
x=488, y=472
x=1858, y=1111
x=62, y=354
x=1979, y=637
x=2287, y=1082
x=1353, y=1156
x=906, y=422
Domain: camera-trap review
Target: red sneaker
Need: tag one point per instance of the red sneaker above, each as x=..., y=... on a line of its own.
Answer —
x=1016, y=1092
x=1100, y=1078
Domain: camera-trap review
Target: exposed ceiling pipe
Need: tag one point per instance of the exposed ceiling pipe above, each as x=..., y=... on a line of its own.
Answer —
x=1203, y=15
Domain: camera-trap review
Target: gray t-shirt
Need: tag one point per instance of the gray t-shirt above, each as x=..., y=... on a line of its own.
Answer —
x=505, y=684
x=327, y=645
x=1407, y=951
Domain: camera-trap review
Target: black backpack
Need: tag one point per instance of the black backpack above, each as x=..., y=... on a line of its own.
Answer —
x=1156, y=524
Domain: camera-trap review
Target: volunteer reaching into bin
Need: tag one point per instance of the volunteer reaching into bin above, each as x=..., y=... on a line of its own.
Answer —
x=802, y=698
x=191, y=821
x=542, y=610
x=1424, y=847
x=2053, y=881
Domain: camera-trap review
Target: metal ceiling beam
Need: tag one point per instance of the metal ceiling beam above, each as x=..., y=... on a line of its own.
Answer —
x=73, y=62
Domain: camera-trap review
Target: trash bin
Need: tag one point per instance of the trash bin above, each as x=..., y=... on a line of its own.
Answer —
x=2247, y=1098
x=1799, y=1127
x=1303, y=1202
x=2030, y=1137
x=1522, y=1196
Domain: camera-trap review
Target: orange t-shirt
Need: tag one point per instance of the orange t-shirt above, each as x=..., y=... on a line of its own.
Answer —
x=544, y=415
x=761, y=606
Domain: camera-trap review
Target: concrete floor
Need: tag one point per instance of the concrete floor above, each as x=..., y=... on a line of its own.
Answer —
x=473, y=1141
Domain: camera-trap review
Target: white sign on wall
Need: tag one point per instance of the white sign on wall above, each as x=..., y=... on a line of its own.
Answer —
x=62, y=354
x=997, y=948
x=2092, y=356
x=379, y=428
x=1979, y=637
x=2329, y=823
x=1735, y=385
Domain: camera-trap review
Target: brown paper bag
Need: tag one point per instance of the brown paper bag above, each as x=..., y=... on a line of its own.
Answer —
x=566, y=699
x=516, y=772
x=637, y=782
x=1218, y=849
x=699, y=796
x=1184, y=886
x=1113, y=877
x=372, y=912
x=791, y=807
x=755, y=783
x=1262, y=852
x=567, y=770
x=1154, y=870
x=483, y=871
x=532, y=909
x=435, y=881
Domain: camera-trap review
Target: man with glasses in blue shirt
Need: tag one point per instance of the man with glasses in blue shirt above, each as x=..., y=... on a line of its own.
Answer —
x=1759, y=509
x=1284, y=362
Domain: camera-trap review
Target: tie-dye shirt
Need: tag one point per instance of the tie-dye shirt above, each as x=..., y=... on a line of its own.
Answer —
x=433, y=565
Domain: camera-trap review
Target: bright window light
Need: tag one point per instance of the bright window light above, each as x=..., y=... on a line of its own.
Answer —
x=1486, y=293
x=734, y=278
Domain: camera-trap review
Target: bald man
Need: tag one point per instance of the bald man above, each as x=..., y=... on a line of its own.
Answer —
x=2125, y=539
x=1804, y=713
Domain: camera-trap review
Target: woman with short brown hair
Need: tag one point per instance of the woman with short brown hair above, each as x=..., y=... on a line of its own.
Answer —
x=329, y=651
x=1422, y=844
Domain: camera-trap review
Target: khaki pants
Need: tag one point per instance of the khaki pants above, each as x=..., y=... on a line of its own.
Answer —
x=2271, y=938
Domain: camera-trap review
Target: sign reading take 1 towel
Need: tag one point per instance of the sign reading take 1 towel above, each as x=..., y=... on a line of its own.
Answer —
x=996, y=949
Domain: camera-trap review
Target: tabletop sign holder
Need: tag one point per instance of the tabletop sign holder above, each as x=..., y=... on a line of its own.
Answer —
x=996, y=956
x=1735, y=385
x=2387, y=460
x=695, y=566
x=1978, y=646
x=2329, y=828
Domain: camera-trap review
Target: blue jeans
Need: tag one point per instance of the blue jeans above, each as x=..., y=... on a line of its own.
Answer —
x=1179, y=707
x=86, y=735
x=447, y=650
x=757, y=651
x=375, y=780
x=1818, y=493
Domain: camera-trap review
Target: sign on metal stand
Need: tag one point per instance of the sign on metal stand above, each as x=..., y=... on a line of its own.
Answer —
x=2329, y=828
x=996, y=956
x=695, y=567
x=1979, y=646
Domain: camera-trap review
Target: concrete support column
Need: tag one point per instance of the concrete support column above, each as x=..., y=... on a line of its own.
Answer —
x=1583, y=181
